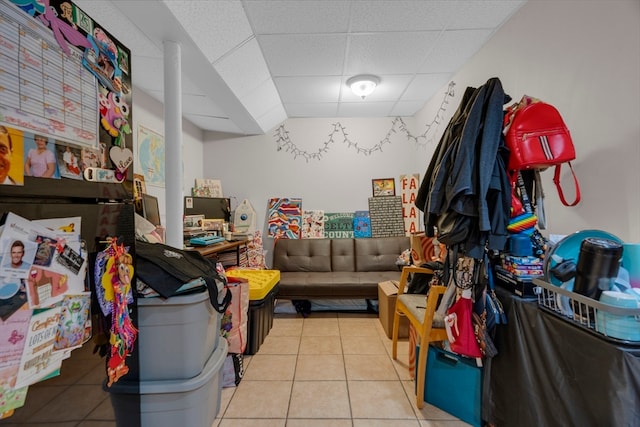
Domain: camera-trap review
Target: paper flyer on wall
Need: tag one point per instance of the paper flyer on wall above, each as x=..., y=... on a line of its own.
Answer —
x=13, y=332
x=10, y=398
x=74, y=327
x=37, y=360
x=47, y=255
x=70, y=257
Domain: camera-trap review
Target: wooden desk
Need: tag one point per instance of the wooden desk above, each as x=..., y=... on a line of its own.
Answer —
x=226, y=246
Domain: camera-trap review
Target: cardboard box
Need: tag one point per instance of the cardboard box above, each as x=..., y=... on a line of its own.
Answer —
x=387, y=295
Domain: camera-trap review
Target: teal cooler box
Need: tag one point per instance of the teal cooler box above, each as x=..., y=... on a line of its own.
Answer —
x=170, y=403
x=453, y=383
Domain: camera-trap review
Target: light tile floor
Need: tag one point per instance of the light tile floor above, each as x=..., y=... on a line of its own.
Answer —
x=328, y=370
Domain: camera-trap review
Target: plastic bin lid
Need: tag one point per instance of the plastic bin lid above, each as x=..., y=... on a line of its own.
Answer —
x=184, y=299
x=260, y=281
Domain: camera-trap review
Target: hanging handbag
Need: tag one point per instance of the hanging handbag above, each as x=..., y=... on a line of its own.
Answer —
x=460, y=329
x=538, y=138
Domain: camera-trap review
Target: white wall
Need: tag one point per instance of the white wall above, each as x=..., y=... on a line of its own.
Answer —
x=150, y=113
x=252, y=167
x=584, y=58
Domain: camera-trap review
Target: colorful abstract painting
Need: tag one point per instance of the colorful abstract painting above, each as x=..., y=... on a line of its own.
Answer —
x=284, y=218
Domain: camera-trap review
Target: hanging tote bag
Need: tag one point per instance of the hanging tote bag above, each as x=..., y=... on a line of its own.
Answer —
x=166, y=269
x=538, y=138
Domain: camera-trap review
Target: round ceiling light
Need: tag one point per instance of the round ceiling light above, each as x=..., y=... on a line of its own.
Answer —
x=363, y=85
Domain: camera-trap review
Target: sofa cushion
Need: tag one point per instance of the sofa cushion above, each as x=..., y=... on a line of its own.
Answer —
x=302, y=255
x=379, y=254
x=342, y=255
x=331, y=285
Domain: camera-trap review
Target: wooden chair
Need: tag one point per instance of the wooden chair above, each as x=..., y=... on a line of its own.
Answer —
x=420, y=309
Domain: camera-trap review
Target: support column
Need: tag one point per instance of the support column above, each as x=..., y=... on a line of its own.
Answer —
x=173, y=143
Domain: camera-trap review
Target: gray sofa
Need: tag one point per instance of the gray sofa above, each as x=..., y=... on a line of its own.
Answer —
x=336, y=268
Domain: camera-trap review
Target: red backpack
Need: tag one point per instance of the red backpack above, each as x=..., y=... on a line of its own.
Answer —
x=538, y=138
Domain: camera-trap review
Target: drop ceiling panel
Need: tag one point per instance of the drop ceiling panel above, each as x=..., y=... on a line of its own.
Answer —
x=298, y=17
x=480, y=14
x=244, y=69
x=424, y=85
x=316, y=109
x=389, y=53
x=392, y=16
x=262, y=99
x=216, y=27
x=304, y=55
x=308, y=89
x=272, y=118
x=454, y=49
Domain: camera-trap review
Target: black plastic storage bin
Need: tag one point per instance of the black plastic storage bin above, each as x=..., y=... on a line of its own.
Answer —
x=260, y=320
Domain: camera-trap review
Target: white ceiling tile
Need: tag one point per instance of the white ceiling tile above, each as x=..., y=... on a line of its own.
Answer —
x=273, y=117
x=298, y=17
x=424, y=86
x=480, y=14
x=308, y=89
x=215, y=26
x=417, y=15
x=389, y=53
x=264, y=98
x=454, y=49
x=244, y=69
x=309, y=55
x=316, y=109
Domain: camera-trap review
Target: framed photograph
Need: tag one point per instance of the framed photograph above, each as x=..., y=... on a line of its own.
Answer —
x=384, y=187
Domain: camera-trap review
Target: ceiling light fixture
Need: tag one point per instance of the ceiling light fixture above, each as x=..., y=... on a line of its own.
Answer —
x=363, y=85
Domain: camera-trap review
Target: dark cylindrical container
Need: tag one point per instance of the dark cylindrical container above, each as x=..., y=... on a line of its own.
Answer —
x=598, y=265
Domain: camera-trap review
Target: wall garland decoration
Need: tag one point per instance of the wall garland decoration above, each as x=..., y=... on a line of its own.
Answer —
x=284, y=142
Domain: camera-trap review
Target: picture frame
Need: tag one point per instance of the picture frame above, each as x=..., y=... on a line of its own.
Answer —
x=383, y=187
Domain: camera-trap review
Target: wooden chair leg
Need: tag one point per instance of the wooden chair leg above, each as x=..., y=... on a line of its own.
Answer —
x=421, y=369
x=394, y=335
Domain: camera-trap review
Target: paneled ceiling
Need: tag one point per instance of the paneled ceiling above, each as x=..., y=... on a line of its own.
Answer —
x=248, y=65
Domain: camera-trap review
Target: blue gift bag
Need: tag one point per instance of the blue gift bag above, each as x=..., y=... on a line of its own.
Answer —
x=454, y=384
